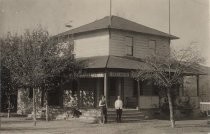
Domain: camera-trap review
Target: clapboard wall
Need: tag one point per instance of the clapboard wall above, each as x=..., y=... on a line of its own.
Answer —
x=113, y=42
x=140, y=44
x=92, y=44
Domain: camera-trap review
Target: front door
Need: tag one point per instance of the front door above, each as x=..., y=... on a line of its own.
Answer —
x=115, y=89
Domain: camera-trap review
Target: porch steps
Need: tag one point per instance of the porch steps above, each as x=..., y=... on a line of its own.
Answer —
x=128, y=115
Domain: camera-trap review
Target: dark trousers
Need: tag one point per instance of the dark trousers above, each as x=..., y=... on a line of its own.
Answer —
x=76, y=113
x=119, y=114
x=103, y=114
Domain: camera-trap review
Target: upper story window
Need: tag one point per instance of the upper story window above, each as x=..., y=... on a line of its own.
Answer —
x=129, y=45
x=152, y=45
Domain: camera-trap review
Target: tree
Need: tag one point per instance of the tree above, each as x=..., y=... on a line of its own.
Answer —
x=169, y=70
x=7, y=90
x=7, y=85
x=34, y=60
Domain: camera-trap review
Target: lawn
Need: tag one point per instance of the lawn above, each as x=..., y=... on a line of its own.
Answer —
x=75, y=126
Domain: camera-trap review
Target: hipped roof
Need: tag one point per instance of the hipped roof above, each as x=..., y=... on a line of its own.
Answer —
x=118, y=23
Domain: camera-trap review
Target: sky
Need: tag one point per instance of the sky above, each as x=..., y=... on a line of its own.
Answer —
x=190, y=19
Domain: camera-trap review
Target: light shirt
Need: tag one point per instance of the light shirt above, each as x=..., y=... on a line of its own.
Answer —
x=118, y=104
x=102, y=103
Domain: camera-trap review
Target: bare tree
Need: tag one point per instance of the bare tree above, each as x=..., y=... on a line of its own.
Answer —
x=168, y=71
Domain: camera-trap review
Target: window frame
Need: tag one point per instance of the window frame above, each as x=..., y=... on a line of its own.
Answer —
x=129, y=46
x=153, y=48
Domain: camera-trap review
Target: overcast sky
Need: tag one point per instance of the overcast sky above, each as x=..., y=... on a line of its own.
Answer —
x=189, y=18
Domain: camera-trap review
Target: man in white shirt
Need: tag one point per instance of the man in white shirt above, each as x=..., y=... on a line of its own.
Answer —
x=118, y=106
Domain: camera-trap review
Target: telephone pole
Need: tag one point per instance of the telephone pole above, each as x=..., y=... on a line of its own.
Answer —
x=169, y=16
x=110, y=12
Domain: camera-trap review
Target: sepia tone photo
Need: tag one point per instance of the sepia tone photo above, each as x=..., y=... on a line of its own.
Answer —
x=105, y=66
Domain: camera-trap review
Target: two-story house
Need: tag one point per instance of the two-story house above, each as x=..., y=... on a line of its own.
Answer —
x=111, y=48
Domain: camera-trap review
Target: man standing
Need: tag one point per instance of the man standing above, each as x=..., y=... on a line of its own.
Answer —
x=118, y=106
x=102, y=105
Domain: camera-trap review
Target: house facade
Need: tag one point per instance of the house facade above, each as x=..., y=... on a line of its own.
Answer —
x=111, y=49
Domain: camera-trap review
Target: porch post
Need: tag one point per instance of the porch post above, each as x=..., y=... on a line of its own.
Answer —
x=98, y=91
x=138, y=94
x=105, y=86
x=198, y=92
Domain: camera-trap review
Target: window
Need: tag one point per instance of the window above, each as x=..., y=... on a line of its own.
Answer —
x=148, y=88
x=129, y=45
x=152, y=45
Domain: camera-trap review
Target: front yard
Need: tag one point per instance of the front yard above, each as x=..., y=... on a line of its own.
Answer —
x=74, y=126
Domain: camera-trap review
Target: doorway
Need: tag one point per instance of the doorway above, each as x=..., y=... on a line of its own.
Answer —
x=115, y=88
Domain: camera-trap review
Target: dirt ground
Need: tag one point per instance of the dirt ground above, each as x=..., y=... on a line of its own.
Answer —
x=75, y=126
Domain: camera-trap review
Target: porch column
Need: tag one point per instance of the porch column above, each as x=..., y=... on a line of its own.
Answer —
x=198, y=92
x=105, y=87
x=138, y=93
x=98, y=91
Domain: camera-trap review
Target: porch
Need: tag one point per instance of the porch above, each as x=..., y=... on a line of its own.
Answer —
x=112, y=76
x=91, y=86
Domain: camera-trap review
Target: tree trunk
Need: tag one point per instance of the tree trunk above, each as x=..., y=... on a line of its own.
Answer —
x=8, y=108
x=42, y=97
x=34, y=106
x=0, y=122
x=47, y=107
x=171, y=108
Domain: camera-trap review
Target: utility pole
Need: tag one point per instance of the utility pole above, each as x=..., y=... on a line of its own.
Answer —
x=169, y=16
x=169, y=22
x=110, y=12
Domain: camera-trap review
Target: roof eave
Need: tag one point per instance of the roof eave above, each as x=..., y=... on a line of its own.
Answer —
x=109, y=25
x=171, y=37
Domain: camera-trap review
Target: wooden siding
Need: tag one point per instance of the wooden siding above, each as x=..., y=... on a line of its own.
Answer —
x=148, y=102
x=204, y=87
x=92, y=44
x=140, y=44
x=190, y=86
x=147, y=88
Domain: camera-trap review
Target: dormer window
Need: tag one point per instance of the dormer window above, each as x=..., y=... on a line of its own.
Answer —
x=129, y=46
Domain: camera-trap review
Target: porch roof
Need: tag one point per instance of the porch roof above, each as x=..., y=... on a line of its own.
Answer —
x=125, y=62
x=114, y=62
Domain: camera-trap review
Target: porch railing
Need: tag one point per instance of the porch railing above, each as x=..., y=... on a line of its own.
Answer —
x=205, y=106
